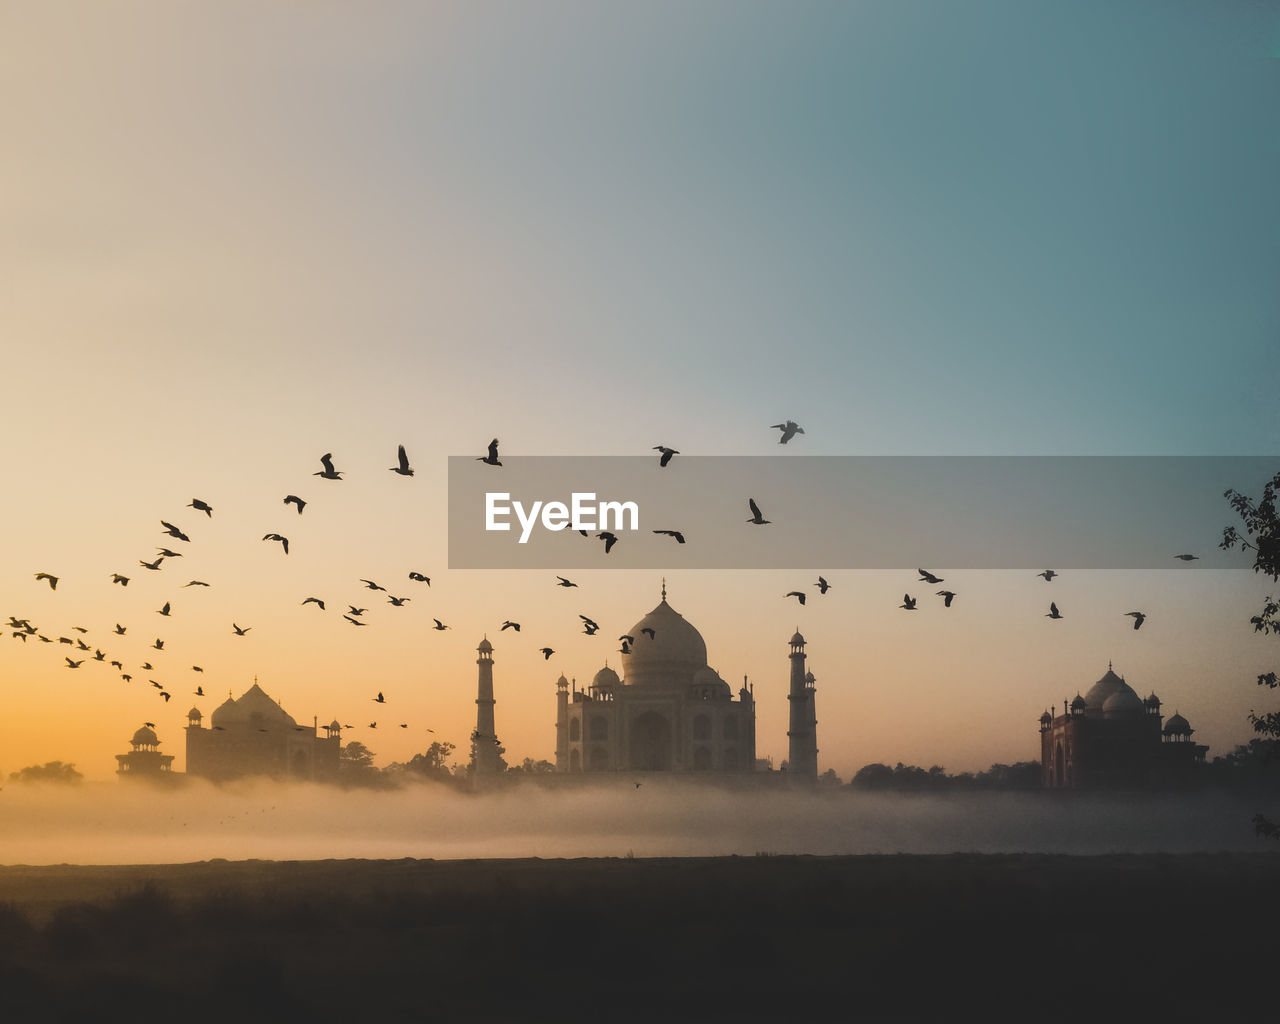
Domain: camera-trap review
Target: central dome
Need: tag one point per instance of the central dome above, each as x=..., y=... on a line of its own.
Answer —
x=670, y=657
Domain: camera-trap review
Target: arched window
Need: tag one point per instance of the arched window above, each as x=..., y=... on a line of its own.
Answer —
x=599, y=728
x=702, y=759
x=702, y=728
x=731, y=727
x=575, y=730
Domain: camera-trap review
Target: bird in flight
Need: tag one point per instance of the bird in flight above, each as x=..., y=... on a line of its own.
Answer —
x=74, y=664
x=402, y=463
x=648, y=631
x=53, y=580
x=122, y=580
x=164, y=610
x=908, y=602
x=927, y=577
x=609, y=540
x=196, y=668
x=546, y=653
x=822, y=585
x=354, y=622
x=1138, y=619
x=372, y=586
x=1053, y=612
x=373, y=725
x=795, y=594
x=626, y=647
x=153, y=566
x=284, y=541
x=564, y=582
x=379, y=699
x=328, y=473
x=357, y=611
x=198, y=691
x=492, y=458
x=508, y=624
x=666, y=453
x=166, y=553
x=1186, y=558
x=313, y=600
x=439, y=624
x=196, y=583
x=201, y=506
x=1048, y=575
x=159, y=644
x=173, y=531
x=756, y=517
x=240, y=631
x=398, y=601
x=120, y=630
x=672, y=533
x=419, y=578
x=789, y=430
x=947, y=597
x=295, y=500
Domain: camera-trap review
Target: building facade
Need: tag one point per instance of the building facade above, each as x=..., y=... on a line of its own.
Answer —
x=144, y=760
x=1110, y=738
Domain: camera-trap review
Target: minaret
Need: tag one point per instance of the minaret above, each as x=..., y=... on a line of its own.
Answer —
x=802, y=758
x=486, y=752
x=562, y=724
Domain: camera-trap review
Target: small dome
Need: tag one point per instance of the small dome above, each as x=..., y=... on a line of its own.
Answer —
x=485, y=647
x=709, y=677
x=1152, y=702
x=335, y=725
x=797, y=639
x=562, y=681
x=1079, y=702
x=1046, y=717
x=809, y=677
x=194, y=715
x=1177, y=726
x=605, y=678
x=145, y=737
x=1122, y=701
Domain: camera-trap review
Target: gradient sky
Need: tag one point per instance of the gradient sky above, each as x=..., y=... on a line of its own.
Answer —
x=234, y=238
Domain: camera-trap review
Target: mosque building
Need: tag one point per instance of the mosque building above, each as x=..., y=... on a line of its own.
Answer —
x=253, y=735
x=1111, y=738
x=144, y=760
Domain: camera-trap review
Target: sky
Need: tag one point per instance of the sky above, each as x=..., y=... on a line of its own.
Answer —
x=234, y=238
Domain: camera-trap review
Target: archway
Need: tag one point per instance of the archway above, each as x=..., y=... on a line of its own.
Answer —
x=651, y=743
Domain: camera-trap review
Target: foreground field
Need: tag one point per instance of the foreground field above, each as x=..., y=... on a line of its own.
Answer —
x=786, y=938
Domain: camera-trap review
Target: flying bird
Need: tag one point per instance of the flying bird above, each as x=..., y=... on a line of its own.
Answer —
x=1053, y=612
x=284, y=541
x=672, y=533
x=153, y=566
x=372, y=586
x=439, y=624
x=402, y=463
x=492, y=458
x=173, y=531
x=789, y=430
x=164, y=610
x=625, y=648
x=564, y=582
x=122, y=580
x=398, y=601
x=379, y=699
x=354, y=622
x=795, y=594
x=328, y=473
x=649, y=631
x=1138, y=619
x=239, y=631
x=159, y=644
x=1186, y=558
x=198, y=691
x=294, y=499
x=313, y=600
x=947, y=596
x=196, y=668
x=74, y=664
x=166, y=553
x=419, y=578
x=756, y=517
x=609, y=540
x=666, y=453
x=53, y=580
x=357, y=611
x=927, y=577
x=201, y=506
x=1048, y=575
x=196, y=583
x=508, y=624
x=546, y=653
x=908, y=602
x=822, y=585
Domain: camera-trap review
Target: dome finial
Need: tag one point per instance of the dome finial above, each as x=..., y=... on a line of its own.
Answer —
x=664, y=588
x=1108, y=664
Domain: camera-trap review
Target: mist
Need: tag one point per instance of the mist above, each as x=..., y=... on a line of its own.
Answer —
x=113, y=823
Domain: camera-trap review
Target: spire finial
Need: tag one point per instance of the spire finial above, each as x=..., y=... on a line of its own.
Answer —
x=1108, y=664
x=664, y=588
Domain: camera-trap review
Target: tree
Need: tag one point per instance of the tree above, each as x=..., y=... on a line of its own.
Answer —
x=50, y=771
x=355, y=765
x=531, y=767
x=431, y=764
x=1261, y=526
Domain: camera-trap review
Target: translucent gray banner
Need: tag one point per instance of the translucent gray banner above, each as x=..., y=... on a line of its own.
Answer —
x=848, y=512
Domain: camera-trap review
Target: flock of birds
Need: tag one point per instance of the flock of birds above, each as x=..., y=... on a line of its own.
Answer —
x=23, y=629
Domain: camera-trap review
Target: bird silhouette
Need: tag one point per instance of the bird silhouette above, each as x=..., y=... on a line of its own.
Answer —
x=159, y=644
x=153, y=566
x=625, y=648
x=122, y=580
x=164, y=610
x=372, y=586
x=546, y=653
x=379, y=699
x=52, y=580
x=419, y=578
x=357, y=611
x=201, y=506
x=293, y=499
x=822, y=585
x=648, y=632
x=166, y=553
x=439, y=624
x=195, y=583
x=492, y=458
x=315, y=601
x=120, y=630
x=354, y=622
x=564, y=582
x=74, y=664
x=508, y=624
x=1138, y=619
x=398, y=601
x=402, y=463
x=328, y=473
x=908, y=602
x=609, y=540
x=1187, y=558
x=672, y=533
x=1048, y=575
x=947, y=597
x=198, y=691
x=196, y=668
x=666, y=453
x=928, y=577
x=373, y=725
x=756, y=517
x=1053, y=612
x=239, y=630
x=173, y=531
x=796, y=594
x=789, y=430
x=284, y=541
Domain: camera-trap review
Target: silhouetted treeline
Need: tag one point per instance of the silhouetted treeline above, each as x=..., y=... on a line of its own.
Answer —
x=356, y=768
x=1252, y=765
x=50, y=771
x=910, y=778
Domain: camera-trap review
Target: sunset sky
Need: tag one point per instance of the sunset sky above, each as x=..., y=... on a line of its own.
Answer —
x=234, y=237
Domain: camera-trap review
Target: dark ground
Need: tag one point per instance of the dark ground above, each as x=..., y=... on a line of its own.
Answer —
x=917, y=938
